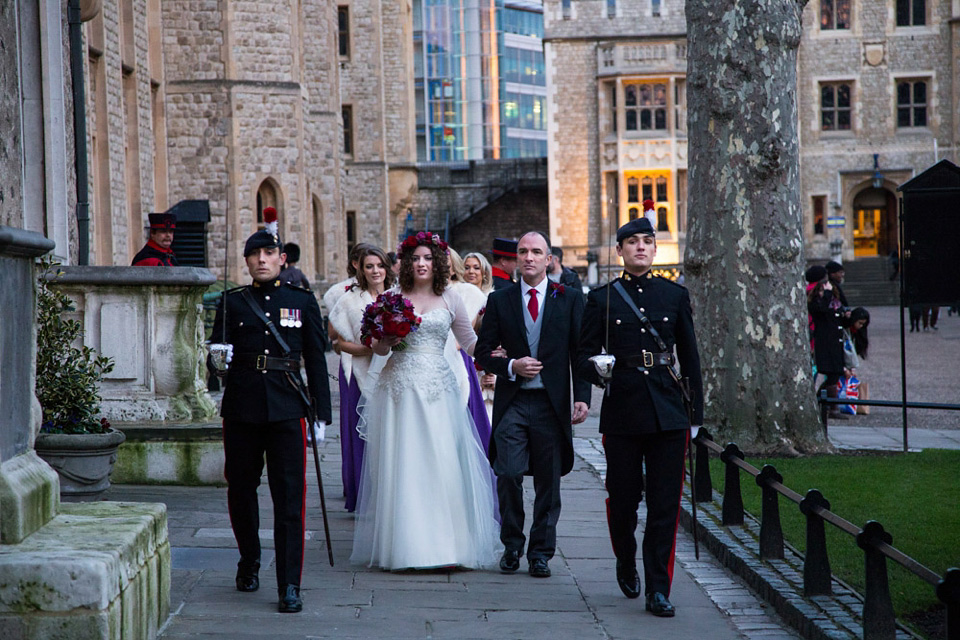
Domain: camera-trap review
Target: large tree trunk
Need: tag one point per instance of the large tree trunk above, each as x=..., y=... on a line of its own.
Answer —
x=744, y=257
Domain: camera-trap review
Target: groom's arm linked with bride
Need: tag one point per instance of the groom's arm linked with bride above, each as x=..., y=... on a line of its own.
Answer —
x=537, y=324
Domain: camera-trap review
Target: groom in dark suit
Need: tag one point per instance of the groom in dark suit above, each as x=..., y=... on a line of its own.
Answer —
x=537, y=323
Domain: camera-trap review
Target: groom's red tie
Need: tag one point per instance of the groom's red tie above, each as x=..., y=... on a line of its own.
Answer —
x=532, y=305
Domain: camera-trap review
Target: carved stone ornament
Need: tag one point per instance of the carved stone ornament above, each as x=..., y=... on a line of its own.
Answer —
x=873, y=53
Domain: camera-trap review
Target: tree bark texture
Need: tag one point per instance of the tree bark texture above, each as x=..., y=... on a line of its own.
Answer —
x=744, y=256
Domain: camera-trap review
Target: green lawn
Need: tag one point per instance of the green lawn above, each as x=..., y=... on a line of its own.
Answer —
x=915, y=496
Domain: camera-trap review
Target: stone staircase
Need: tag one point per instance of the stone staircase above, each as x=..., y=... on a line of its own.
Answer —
x=867, y=283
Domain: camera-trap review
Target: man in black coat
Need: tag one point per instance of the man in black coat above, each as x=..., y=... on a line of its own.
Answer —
x=559, y=273
x=263, y=412
x=537, y=323
x=643, y=418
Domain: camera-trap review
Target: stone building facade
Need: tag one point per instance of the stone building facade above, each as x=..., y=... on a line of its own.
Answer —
x=248, y=104
x=617, y=102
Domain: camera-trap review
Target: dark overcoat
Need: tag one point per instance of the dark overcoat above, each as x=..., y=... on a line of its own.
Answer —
x=828, y=320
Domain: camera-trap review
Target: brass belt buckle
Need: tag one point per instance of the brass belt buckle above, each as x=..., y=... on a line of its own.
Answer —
x=261, y=363
x=647, y=359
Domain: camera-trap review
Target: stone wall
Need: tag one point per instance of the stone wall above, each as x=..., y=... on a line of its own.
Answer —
x=149, y=320
x=510, y=216
x=11, y=170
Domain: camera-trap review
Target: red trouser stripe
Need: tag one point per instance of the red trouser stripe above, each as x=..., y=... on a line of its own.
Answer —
x=303, y=501
x=676, y=525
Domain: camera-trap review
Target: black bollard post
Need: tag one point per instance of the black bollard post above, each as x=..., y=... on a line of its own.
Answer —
x=816, y=564
x=948, y=591
x=703, y=482
x=771, y=533
x=732, y=499
x=879, y=623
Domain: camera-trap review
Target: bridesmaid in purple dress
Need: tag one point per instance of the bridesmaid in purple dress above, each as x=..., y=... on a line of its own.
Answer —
x=359, y=365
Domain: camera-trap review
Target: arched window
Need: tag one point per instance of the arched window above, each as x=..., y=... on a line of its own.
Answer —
x=647, y=188
x=633, y=190
x=662, y=219
x=661, y=189
x=268, y=195
x=351, y=230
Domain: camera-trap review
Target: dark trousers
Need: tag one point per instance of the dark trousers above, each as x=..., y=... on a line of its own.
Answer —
x=244, y=446
x=662, y=454
x=529, y=440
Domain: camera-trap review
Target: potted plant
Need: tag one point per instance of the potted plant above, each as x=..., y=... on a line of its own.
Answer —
x=74, y=440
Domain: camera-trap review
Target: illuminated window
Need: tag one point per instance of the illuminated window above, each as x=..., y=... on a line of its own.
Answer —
x=834, y=14
x=633, y=190
x=819, y=209
x=647, y=189
x=661, y=189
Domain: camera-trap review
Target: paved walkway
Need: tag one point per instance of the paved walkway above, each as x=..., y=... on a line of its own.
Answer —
x=580, y=601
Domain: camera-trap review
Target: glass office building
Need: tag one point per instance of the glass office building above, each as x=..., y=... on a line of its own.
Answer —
x=480, y=82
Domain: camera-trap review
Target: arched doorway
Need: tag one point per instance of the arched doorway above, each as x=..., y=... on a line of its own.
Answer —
x=874, y=223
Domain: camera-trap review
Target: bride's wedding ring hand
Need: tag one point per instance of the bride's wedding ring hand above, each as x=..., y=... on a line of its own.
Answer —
x=383, y=346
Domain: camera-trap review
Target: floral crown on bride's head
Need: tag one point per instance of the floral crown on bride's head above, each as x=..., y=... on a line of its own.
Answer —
x=421, y=238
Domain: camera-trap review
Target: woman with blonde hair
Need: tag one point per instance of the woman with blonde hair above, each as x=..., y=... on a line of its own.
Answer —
x=478, y=272
x=359, y=365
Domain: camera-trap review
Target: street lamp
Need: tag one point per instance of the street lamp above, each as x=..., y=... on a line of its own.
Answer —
x=877, y=176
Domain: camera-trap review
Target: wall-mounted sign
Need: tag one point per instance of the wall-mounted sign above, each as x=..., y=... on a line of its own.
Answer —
x=836, y=221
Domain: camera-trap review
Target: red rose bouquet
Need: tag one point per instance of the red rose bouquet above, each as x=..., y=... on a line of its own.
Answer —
x=389, y=315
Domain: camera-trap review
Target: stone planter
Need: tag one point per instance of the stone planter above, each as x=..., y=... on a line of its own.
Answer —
x=82, y=460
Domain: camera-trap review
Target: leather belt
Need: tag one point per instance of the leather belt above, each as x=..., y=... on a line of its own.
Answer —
x=645, y=359
x=262, y=362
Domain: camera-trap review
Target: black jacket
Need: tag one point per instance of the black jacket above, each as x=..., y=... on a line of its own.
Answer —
x=255, y=396
x=828, y=322
x=559, y=334
x=641, y=402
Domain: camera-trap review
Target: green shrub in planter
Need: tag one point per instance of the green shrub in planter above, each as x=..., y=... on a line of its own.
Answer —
x=67, y=376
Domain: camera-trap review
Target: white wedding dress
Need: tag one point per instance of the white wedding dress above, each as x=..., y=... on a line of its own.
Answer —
x=426, y=496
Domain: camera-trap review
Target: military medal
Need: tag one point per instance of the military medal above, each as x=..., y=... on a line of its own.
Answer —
x=296, y=318
x=290, y=318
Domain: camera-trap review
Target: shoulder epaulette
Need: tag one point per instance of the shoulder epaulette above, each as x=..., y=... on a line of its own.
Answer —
x=236, y=289
x=668, y=280
x=298, y=287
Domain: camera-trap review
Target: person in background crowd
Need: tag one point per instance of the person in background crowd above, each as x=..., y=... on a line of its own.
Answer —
x=916, y=310
x=394, y=264
x=836, y=274
x=333, y=294
x=359, y=365
x=478, y=272
x=556, y=272
x=859, y=321
x=894, y=263
x=504, y=262
x=930, y=315
x=474, y=301
x=157, y=251
x=263, y=410
x=828, y=323
x=290, y=273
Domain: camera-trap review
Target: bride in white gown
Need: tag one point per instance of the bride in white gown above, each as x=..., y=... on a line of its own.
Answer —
x=426, y=499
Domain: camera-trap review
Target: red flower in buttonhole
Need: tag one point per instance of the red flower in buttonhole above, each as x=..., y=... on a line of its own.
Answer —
x=556, y=289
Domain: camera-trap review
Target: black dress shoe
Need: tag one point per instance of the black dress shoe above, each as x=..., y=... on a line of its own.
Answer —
x=539, y=569
x=510, y=561
x=248, y=578
x=290, y=600
x=658, y=605
x=629, y=580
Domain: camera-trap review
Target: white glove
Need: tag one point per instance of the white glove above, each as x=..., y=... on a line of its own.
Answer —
x=221, y=355
x=694, y=431
x=604, y=365
x=319, y=431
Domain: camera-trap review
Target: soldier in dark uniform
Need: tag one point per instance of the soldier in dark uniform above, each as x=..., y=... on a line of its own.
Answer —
x=504, y=262
x=643, y=418
x=263, y=412
x=157, y=251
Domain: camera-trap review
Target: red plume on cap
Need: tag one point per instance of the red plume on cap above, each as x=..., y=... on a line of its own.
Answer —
x=270, y=221
x=648, y=205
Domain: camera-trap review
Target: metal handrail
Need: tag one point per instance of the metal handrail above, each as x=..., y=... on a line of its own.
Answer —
x=879, y=622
